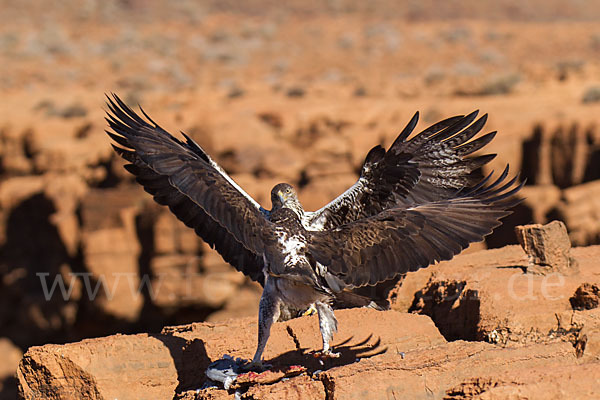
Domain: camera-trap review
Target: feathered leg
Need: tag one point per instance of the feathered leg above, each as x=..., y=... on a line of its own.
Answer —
x=268, y=312
x=328, y=326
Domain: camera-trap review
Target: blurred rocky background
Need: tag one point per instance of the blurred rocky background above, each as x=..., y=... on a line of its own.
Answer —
x=297, y=93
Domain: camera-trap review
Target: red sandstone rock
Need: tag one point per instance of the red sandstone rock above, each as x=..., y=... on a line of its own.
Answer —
x=179, y=281
x=244, y=303
x=579, y=209
x=387, y=354
x=142, y=367
x=547, y=246
x=156, y=366
x=173, y=237
x=586, y=297
x=487, y=296
x=585, y=329
x=111, y=251
x=10, y=356
x=540, y=199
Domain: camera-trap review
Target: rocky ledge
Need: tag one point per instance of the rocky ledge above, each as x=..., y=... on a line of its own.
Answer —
x=488, y=324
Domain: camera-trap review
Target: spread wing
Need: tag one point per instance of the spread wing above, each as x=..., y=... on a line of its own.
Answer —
x=399, y=240
x=431, y=166
x=183, y=177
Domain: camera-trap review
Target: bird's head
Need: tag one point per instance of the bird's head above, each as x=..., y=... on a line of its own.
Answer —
x=283, y=195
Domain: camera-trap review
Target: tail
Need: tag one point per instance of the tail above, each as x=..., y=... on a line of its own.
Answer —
x=356, y=298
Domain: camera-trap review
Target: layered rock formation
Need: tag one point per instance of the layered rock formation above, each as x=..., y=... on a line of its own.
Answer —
x=479, y=325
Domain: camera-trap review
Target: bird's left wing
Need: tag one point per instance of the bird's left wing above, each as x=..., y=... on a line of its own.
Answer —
x=399, y=240
x=183, y=177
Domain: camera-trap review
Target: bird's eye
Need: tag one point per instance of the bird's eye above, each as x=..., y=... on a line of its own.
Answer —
x=288, y=190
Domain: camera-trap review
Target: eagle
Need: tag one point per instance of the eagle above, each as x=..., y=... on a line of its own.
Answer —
x=418, y=202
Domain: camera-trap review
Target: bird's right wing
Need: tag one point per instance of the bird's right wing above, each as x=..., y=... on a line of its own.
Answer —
x=432, y=165
x=183, y=177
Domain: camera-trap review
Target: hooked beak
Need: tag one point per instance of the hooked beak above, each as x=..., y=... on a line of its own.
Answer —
x=281, y=196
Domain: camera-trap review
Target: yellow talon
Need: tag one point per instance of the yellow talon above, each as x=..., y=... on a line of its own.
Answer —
x=310, y=310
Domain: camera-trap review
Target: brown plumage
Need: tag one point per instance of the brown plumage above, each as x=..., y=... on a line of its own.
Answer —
x=414, y=204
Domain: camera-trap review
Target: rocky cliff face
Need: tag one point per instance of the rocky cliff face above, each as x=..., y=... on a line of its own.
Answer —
x=86, y=252
x=478, y=326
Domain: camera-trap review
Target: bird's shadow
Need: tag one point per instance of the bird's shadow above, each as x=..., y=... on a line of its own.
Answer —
x=348, y=353
x=191, y=359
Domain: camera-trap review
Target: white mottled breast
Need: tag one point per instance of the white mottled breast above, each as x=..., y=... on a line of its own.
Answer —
x=292, y=246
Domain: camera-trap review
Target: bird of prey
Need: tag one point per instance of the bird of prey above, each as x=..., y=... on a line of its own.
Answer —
x=414, y=204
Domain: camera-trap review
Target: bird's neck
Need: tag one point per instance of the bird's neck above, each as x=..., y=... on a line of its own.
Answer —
x=295, y=207
x=287, y=212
